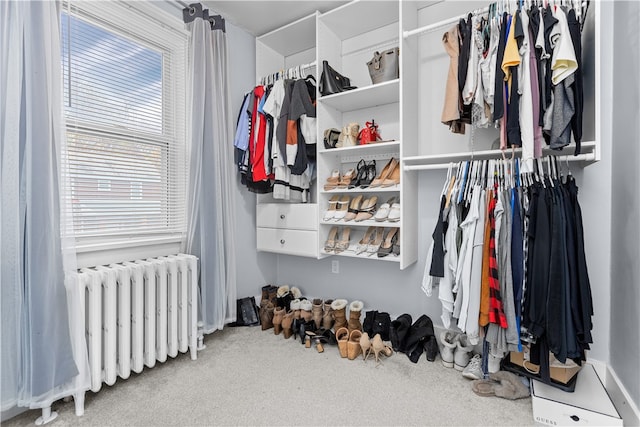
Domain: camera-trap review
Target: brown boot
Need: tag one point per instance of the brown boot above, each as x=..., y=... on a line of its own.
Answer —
x=305, y=310
x=354, y=316
x=265, y=292
x=317, y=312
x=339, y=307
x=273, y=294
x=327, y=316
x=295, y=307
x=266, y=315
x=287, y=322
x=278, y=316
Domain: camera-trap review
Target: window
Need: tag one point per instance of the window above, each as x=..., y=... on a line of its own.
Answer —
x=124, y=97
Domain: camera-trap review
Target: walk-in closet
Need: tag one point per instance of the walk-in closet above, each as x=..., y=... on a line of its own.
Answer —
x=328, y=212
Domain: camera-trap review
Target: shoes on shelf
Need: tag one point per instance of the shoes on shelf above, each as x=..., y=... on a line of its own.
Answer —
x=341, y=209
x=331, y=212
x=376, y=241
x=361, y=173
x=343, y=244
x=378, y=346
x=353, y=345
x=354, y=208
x=385, y=174
x=383, y=210
x=393, y=178
x=394, y=212
x=330, y=243
x=363, y=244
x=387, y=243
x=333, y=180
x=346, y=178
x=396, y=245
x=369, y=175
x=367, y=209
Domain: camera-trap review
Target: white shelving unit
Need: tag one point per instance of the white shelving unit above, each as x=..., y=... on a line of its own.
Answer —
x=284, y=227
x=347, y=38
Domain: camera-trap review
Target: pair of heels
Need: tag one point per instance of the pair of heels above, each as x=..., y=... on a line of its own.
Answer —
x=389, y=244
x=375, y=345
x=349, y=343
x=333, y=244
x=389, y=176
x=361, y=209
x=338, y=206
x=338, y=181
x=366, y=173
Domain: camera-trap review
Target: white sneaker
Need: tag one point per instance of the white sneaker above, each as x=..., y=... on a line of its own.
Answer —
x=448, y=340
x=493, y=363
x=473, y=371
x=462, y=353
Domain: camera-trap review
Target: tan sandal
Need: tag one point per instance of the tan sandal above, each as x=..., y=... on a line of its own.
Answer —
x=333, y=180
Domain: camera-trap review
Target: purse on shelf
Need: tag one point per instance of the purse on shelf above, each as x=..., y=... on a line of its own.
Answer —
x=331, y=138
x=384, y=66
x=333, y=82
x=349, y=135
x=369, y=133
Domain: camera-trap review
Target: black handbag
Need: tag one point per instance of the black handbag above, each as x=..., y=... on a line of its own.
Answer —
x=377, y=323
x=333, y=82
x=247, y=312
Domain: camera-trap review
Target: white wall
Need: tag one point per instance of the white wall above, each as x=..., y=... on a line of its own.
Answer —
x=625, y=190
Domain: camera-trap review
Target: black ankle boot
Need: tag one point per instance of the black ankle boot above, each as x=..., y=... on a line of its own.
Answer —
x=398, y=332
x=417, y=337
x=431, y=348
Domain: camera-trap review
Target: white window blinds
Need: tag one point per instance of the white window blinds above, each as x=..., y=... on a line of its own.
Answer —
x=124, y=102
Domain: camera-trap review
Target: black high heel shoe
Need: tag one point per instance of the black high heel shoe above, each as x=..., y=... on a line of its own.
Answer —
x=305, y=327
x=361, y=173
x=369, y=176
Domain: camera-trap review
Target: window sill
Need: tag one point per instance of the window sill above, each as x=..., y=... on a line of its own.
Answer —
x=120, y=250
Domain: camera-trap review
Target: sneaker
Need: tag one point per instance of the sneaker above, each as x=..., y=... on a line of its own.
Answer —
x=463, y=352
x=494, y=363
x=473, y=371
x=448, y=340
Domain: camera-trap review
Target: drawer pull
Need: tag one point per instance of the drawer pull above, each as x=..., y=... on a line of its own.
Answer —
x=282, y=216
x=282, y=241
x=575, y=418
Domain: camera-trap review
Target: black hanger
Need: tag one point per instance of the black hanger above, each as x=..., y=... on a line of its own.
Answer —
x=310, y=77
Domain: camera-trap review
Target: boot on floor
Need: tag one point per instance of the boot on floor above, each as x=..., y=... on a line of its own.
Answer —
x=266, y=314
x=317, y=312
x=327, y=316
x=339, y=308
x=355, y=309
x=278, y=316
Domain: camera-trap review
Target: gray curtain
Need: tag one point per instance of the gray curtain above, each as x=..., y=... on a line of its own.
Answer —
x=38, y=343
x=211, y=207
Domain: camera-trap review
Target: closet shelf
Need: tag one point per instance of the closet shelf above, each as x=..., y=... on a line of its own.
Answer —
x=442, y=161
x=351, y=253
x=367, y=223
x=394, y=188
x=364, y=97
x=356, y=18
x=383, y=147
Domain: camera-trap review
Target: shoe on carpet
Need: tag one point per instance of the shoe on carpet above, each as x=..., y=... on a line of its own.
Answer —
x=473, y=371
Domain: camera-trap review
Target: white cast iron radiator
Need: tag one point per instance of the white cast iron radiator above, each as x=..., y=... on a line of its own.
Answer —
x=138, y=313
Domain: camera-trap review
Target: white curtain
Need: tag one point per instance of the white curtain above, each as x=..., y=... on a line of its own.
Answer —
x=43, y=353
x=211, y=208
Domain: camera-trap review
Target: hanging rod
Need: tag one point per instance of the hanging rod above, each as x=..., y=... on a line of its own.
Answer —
x=589, y=157
x=372, y=47
x=440, y=24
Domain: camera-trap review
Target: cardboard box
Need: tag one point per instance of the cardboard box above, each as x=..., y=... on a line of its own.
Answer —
x=588, y=405
x=559, y=372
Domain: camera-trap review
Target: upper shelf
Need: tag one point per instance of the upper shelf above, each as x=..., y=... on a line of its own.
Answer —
x=376, y=148
x=360, y=17
x=364, y=97
x=295, y=37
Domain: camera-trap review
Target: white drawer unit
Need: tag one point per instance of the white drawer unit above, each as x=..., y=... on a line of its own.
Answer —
x=290, y=242
x=290, y=216
x=588, y=405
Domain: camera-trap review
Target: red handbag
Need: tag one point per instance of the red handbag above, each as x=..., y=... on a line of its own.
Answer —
x=369, y=133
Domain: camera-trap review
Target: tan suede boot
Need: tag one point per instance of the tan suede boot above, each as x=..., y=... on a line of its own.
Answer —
x=317, y=312
x=327, y=317
x=266, y=315
x=287, y=322
x=305, y=310
x=339, y=307
x=278, y=315
x=355, y=308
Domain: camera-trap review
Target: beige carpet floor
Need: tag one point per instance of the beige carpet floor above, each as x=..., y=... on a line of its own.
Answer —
x=249, y=377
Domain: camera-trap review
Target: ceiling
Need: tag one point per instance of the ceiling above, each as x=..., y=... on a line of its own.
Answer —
x=260, y=17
